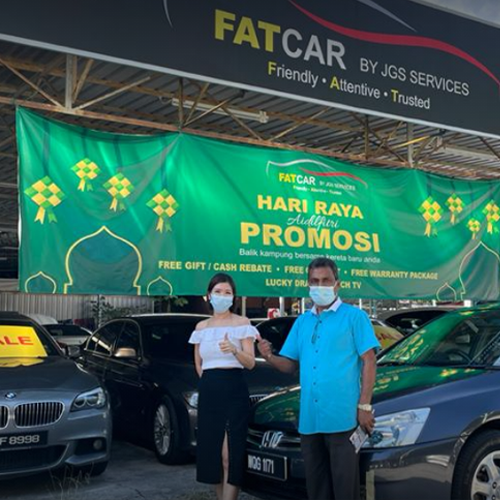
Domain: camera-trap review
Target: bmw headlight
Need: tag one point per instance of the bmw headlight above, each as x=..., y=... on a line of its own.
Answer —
x=94, y=399
x=398, y=429
x=191, y=399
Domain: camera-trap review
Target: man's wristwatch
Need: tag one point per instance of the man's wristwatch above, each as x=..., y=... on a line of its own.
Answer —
x=368, y=408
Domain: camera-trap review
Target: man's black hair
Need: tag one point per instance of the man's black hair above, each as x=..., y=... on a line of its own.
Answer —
x=323, y=262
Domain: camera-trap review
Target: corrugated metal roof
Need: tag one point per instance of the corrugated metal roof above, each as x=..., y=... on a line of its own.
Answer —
x=333, y=131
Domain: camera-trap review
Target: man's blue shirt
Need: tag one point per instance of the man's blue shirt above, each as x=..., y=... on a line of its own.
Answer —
x=328, y=348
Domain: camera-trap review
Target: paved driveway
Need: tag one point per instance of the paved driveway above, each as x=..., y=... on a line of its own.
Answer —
x=133, y=474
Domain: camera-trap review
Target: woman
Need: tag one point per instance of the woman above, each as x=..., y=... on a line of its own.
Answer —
x=223, y=348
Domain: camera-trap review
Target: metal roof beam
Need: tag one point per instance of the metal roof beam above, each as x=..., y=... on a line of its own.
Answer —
x=377, y=150
x=199, y=97
x=225, y=107
x=172, y=128
x=71, y=69
x=30, y=83
x=114, y=93
x=58, y=72
x=370, y=130
x=490, y=147
x=83, y=77
x=305, y=121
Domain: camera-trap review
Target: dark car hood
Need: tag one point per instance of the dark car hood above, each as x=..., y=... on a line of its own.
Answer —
x=282, y=409
x=394, y=381
x=264, y=379
x=52, y=373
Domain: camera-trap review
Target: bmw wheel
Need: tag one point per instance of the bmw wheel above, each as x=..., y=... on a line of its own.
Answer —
x=166, y=436
x=477, y=473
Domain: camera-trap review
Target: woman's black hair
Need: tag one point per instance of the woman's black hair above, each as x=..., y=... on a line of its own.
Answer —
x=223, y=278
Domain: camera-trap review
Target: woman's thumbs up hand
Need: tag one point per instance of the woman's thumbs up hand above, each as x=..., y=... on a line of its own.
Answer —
x=226, y=346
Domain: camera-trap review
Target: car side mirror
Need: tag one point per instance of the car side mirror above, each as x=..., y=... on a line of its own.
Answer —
x=126, y=353
x=73, y=351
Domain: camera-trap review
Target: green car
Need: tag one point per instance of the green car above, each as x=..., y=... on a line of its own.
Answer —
x=437, y=408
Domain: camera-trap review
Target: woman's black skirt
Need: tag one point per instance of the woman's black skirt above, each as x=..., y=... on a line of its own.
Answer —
x=223, y=406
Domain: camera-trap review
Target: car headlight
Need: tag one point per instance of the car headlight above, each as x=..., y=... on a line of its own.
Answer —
x=94, y=399
x=398, y=429
x=191, y=399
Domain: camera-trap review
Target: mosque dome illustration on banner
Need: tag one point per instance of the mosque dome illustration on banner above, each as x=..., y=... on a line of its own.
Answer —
x=93, y=259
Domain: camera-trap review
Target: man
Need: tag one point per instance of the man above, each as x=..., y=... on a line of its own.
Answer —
x=334, y=344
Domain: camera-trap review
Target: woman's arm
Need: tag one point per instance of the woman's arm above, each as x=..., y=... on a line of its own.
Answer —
x=197, y=360
x=246, y=355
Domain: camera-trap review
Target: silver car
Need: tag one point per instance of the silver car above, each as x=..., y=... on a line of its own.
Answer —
x=66, y=335
x=52, y=412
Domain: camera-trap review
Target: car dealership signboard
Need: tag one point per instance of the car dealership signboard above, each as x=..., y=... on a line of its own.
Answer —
x=396, y=58
x=110, y=214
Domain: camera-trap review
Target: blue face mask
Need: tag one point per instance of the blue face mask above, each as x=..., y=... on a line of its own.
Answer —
x=221, y=303
x=322, y=295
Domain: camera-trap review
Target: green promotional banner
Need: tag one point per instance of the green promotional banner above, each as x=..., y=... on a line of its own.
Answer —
x=159, y=215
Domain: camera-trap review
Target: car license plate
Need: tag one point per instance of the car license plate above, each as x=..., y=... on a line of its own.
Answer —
x=23, y=440
x=267, y=465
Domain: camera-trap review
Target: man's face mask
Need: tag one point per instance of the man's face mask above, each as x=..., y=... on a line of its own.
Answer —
x=322, y=295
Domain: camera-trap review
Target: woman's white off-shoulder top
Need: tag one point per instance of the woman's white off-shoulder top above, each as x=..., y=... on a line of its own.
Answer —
x=209, y=339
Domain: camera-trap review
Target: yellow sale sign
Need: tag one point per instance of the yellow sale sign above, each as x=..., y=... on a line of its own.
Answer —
x=20, y=342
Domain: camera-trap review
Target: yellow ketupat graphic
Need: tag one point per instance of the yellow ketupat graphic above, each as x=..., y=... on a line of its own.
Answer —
x=474, y=226
x=431, y=212
x=492, y=216
x=165, y=206
x=86, y=170
x=47, y=195
x=119, y=187
x=20, y=342
x=455, y=205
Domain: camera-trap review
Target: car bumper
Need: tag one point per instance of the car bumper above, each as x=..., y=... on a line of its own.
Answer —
x=70, y=442
x=412, y=473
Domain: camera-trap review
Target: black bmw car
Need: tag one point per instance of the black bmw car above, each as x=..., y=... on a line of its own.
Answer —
x=437, y=408
x=147, y=366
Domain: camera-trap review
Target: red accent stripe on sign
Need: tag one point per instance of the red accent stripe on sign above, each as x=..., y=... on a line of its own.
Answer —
x=334, y=174
x=411, y=41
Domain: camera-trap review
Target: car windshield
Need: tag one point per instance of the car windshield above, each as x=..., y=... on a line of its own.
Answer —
x=275, y=331
x=170, y=340
x=466, y=338
x=24, y=341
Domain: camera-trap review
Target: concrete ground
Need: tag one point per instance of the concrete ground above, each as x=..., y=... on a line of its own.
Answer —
x=133, y=474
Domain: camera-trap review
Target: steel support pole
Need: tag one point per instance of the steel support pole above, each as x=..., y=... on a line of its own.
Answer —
x=71, y=63
x=411, y=149
x=282, y=306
